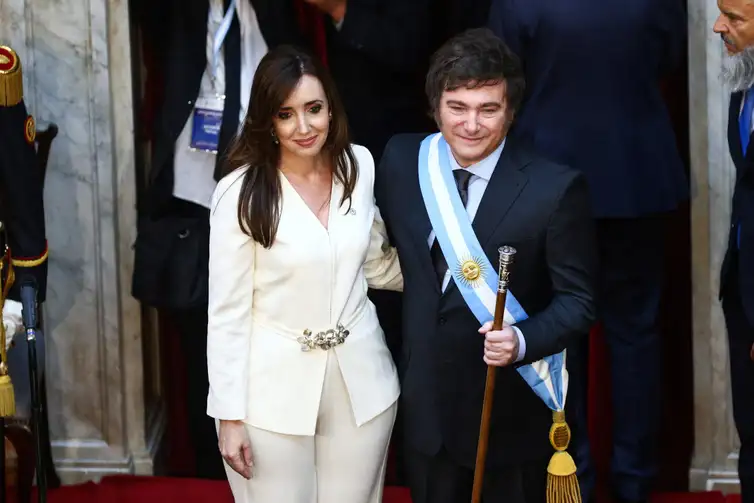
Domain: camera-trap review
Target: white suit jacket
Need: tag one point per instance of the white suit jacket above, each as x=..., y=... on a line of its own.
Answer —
x=261, y=300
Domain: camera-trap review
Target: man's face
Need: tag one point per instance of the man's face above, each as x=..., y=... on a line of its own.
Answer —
x=735, y=24
x=474, y=121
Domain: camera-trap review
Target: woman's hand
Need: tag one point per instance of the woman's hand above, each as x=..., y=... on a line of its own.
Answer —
x=235, y=447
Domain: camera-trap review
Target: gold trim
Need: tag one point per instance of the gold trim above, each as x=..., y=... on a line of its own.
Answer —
x=30, y=130
x=11, y=78
x=22, y=262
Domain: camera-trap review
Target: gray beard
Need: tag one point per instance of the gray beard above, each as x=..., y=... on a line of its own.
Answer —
x=738, y=70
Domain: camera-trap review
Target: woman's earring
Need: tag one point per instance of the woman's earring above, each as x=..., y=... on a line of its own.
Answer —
x=274, y=138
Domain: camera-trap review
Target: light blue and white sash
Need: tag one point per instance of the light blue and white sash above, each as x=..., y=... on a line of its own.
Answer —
x=472, y=271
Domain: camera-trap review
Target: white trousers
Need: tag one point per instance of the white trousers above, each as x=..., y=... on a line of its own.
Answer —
x=341, y=463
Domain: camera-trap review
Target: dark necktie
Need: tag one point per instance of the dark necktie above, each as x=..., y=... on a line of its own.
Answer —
x=462, y=177
x=232, y=105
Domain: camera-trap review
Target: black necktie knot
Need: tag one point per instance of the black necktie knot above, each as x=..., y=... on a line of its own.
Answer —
x=462, y=177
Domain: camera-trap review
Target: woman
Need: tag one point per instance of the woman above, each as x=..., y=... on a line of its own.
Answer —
x=301, y=380
x=594, y=103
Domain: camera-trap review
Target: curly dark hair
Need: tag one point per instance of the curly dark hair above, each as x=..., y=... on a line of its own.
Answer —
x=475, y=58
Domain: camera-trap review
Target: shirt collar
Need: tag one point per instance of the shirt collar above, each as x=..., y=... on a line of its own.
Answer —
x=484, y=168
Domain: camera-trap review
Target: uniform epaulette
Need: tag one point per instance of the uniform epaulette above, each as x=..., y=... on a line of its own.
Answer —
x=30, y=261
x=11, y=78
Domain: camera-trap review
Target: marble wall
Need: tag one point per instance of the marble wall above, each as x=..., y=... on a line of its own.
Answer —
x=77, y=67
x=716, y=445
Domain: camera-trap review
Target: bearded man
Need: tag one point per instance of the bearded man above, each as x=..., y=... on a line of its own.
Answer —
x=736, y=27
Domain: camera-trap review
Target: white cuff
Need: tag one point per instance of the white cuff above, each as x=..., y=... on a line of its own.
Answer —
x=521, y=344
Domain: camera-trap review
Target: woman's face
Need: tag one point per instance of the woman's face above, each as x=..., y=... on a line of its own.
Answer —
x=303, y=121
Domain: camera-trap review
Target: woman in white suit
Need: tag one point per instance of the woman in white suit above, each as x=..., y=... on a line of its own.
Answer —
x=301, y=381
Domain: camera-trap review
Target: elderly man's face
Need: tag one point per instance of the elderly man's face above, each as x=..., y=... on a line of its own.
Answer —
x=736, y=24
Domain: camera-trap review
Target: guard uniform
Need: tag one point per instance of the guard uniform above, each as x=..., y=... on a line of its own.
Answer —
x=22, y=240
x=21, y=184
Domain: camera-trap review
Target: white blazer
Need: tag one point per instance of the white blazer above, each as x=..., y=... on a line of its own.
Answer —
x=261, y=300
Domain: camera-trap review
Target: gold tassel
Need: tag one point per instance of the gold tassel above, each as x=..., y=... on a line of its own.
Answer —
x=7, y=395
x=562, y=483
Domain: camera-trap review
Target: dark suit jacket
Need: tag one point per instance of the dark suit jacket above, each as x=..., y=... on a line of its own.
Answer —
x=540, y=208
x=742, y=212
x=378, y=59
x=593, y=100
x=21, y=199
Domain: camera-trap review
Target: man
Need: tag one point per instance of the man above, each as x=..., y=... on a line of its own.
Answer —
x=594, y=104
x=376, y=52
x=22, y=235
x=736, y=27
x=513, y=197
x=206, y=52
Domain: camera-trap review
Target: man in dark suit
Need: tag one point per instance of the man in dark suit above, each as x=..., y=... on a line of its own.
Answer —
x=195, y=44
x=736, y=27
x=594, y=103
x=377, y=52
x=513, y=197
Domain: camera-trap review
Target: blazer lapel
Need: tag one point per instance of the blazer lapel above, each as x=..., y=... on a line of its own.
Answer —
x=734, y=136
x=420, y=228
x=503, y=189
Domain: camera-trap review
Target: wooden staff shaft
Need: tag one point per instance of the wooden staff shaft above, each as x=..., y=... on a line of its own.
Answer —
x=506, y=258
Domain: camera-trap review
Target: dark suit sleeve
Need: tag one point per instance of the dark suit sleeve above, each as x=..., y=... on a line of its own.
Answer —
x=505, y=21
x=381, y=187
x=672, y=19
x=278, y=22
x=571, y=254
x=23, y=206
x=393, y=32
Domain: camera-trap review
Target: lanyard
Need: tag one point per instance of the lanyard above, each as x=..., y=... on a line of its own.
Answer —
x=222, y=32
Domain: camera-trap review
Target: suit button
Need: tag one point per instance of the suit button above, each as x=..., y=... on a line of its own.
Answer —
x=442, y=321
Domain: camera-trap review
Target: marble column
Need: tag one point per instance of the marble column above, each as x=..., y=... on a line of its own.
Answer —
x=77, y=67
x=716, y=444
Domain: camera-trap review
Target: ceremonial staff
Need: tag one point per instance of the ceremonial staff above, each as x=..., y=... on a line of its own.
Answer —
x=506, y=260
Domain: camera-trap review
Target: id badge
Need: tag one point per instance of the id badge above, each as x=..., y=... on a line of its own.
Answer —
x=205, y=130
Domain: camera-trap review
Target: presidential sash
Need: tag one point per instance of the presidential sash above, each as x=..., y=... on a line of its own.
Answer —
x=476, y=279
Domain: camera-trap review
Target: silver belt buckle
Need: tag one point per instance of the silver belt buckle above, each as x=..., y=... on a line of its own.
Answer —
x=324, y=340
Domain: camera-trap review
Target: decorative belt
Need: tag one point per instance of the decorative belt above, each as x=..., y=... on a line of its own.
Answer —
x=324, y=340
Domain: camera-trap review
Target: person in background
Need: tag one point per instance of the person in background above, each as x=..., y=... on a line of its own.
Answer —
x=735, y=25
x=206, y=53
x=301, y=380
x=594, y=103
x=376, y=53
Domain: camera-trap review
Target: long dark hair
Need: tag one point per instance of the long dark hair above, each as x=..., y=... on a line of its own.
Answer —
x=275, y=79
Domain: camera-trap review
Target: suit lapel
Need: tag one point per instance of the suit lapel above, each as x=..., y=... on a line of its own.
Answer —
x=420, y=228
x=734, y=136
x=503, y=189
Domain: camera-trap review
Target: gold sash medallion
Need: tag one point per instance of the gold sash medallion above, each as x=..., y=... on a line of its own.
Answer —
x=470, y=271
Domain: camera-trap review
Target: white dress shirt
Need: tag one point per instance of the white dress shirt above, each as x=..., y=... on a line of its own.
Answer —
x=481, y=173
x=262, y=299
x=194, y=169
